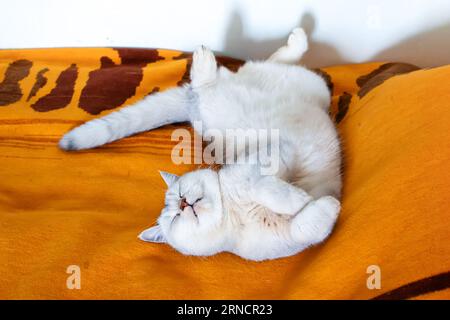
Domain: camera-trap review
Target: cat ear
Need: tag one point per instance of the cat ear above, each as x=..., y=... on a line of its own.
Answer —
x=153, y=234
x=169, y=178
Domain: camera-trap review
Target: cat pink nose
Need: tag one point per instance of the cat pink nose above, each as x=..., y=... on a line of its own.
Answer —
x=183, y=204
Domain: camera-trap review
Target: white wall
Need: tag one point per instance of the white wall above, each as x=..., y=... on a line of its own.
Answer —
x=416, y=31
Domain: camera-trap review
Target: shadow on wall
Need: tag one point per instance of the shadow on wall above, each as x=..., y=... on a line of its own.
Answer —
x=430, y=48
x=237, y=41
x=427, y=49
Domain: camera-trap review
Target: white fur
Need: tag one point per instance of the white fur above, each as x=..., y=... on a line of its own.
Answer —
x=237, y=209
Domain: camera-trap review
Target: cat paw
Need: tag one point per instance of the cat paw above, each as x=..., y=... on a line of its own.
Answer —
x=83, y=137
x=292, y=52
x=75, y=140
x=298, y=40
x=329, y=206
x=68, y=143
x=316, y=221
x=204, y=67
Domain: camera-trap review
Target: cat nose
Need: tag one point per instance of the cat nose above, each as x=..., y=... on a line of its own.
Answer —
x=183, y=204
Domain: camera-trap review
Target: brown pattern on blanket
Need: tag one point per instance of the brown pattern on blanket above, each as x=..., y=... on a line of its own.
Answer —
x=417, y=288
x=376, y=77
x=62, y=94
x=41, y=81
x=111, y=85
x=106, y=88
x=10, y=91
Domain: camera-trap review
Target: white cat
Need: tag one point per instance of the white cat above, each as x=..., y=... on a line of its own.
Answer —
x=237, y=209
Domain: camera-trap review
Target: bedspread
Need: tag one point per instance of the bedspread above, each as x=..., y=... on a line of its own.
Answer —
x=82, y=211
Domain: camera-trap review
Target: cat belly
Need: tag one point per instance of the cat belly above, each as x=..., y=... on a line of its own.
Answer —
x=266, y=236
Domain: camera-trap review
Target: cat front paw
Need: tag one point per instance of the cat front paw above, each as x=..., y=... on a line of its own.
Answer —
x=68, y=143
x=84, y=137
x=76, y=140
x=204, y=67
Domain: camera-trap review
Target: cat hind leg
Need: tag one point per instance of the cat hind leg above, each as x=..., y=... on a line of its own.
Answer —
x=292, y=52
x=204, y=67
x=315, y=222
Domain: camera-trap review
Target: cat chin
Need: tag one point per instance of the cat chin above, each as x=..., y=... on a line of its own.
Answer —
x=199, y=252
x=206, y=241
x=204, y=247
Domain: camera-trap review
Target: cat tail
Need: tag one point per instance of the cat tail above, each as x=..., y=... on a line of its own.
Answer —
x=153, y=111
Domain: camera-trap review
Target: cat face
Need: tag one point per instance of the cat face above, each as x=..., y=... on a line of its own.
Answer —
x=192, y=219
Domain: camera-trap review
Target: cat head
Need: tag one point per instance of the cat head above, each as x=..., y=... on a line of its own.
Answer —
x=192, y=220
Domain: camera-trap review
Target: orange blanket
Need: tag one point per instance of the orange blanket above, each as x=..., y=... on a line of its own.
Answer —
x=85, y=209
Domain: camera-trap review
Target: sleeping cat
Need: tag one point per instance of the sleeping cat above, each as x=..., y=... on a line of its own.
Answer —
x=238, y=209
